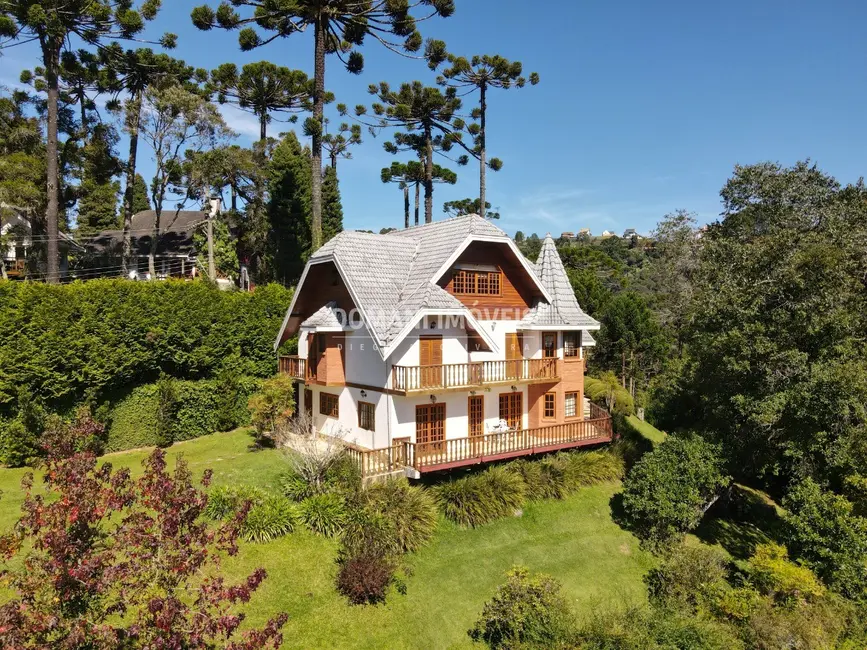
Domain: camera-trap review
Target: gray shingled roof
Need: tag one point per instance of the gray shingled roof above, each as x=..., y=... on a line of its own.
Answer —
x=564, y=310
x=392, y=276
x=326, y=316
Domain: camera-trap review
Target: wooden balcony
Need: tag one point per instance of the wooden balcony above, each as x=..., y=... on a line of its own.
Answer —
x=459, y=452
x=412, y=379
x=294, y=366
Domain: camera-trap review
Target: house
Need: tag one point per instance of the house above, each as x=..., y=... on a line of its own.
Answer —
x=176, y=252
x=629, y=233
x=440, y=346
x=567, y=235
x=585, y=232
x=607, y=233
x=19, y=246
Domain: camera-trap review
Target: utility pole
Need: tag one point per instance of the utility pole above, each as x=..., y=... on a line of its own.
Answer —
x=215, y=210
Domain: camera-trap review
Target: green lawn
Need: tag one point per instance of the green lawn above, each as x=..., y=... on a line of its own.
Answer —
x=647, y=430
x=574, y=540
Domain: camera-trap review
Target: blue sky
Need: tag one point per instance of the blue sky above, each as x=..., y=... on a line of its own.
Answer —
x=643, y=107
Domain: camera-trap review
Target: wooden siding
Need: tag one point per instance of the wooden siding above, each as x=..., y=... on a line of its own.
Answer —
x=322, y=285
x=517, y=291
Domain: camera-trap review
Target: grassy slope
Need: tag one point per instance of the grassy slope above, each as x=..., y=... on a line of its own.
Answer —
x=574, y=540
x=647, y=430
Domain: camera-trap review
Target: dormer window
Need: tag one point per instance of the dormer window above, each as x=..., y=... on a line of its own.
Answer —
x=477, y=283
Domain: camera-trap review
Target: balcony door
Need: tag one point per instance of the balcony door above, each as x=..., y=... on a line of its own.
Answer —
x=476, y=416
x=431, y=361
x=430, y=428
x=512, y=409
x=514, y=355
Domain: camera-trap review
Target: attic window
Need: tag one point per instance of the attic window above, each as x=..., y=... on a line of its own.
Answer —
x=476, y=283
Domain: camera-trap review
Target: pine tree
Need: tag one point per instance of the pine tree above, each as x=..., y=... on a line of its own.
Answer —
x=337, y=145
x=53, y=23
x=426, y=114
x=332, y=209
x=412, y=173
x=140, y=195
x=263, y=89
x=481, y=73
x=338, y=26
x=288, y=211
x=98, y=191
x=469, y=206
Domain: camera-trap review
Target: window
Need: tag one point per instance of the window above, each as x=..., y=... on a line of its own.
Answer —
x=570, y=344
x=511, y=409
x=549, y=344
x=328, y=404
x=366, y=416
x=550, y=410
x=571, y=405
x=476, y=283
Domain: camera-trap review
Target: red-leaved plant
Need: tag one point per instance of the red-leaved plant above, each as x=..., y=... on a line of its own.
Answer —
x=112, y=562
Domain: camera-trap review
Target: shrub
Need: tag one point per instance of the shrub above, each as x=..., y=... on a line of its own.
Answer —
x=225, y=500
x=691, y=577
x=771, y=571
x=367, y=531
x=17, y=445
x=481, y=498
x=665, y=494
x=823, y=530
x=531, y=474
x=335, y=472
x=364, y=579
x=607, y=390
x=527, y=611
x=324, y=513
x=272, y=406
x=584, y=468
x=411, y=512
x=77, y=340
x=273, y=517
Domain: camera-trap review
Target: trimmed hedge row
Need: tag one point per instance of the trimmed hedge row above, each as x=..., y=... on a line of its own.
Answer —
x=196, y=408
x=78, y=341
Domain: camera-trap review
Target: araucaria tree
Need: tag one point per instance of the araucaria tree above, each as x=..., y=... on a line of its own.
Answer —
x=175, y=121
x=109, y=562
x=52, y=23
x=413, y=173
x=481, y=73
x=339, y=26
x=426, y=115
x=263, y=89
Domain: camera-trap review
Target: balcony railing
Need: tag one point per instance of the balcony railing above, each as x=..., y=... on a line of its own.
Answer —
x=457, y=452
x=467, y=375
x=294, y=366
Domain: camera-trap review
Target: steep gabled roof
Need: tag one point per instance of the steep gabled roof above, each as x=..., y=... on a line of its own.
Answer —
x=328, y=316
x=392, y=278
x=563, y=310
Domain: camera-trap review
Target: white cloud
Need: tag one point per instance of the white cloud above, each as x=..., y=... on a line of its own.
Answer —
x=240, y=122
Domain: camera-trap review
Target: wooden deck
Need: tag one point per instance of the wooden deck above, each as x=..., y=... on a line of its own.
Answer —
x=459, y=452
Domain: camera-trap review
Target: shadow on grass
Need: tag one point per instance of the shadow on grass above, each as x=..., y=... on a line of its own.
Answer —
x=741, y=522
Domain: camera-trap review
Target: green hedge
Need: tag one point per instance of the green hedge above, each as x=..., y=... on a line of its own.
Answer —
x=95, y=339
x=197, y=409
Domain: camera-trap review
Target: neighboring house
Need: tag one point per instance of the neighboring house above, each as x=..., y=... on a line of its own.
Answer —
x=176, y=251
x=585, y=232
x=440, y=346
x=567, y=235
x=17, y=246
x=629, y=233
x=606, y=234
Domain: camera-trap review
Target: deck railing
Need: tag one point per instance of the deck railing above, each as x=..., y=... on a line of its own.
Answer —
x=294, y=366
x=465, y=375
x=455, y=452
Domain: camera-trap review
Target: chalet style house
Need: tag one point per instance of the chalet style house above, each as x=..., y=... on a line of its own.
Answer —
x=440, y=346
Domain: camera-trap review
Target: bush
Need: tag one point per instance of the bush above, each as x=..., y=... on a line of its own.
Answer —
x=691, y=577
x=410, y=511
x=324, y=513
x=665, y=494
x=273, y=517
x=771, y=571
x=271, y=408
x=364, y=579
x=481, y=498
x=225, y=500
x=189, y=409
x=823, y=530
x=583, y=468
x=339, y=474
x=602, y=391
x=79, y=340
x=18, y=446
x=527, y=611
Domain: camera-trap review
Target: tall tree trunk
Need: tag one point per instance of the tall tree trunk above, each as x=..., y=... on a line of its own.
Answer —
x=263, y=128
x=428, y=175
x=482, y=185
x=134, y=126
x=51, y=58
x=417, y=190
x=406, y=206
x=319, y=38
x=623, y=368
